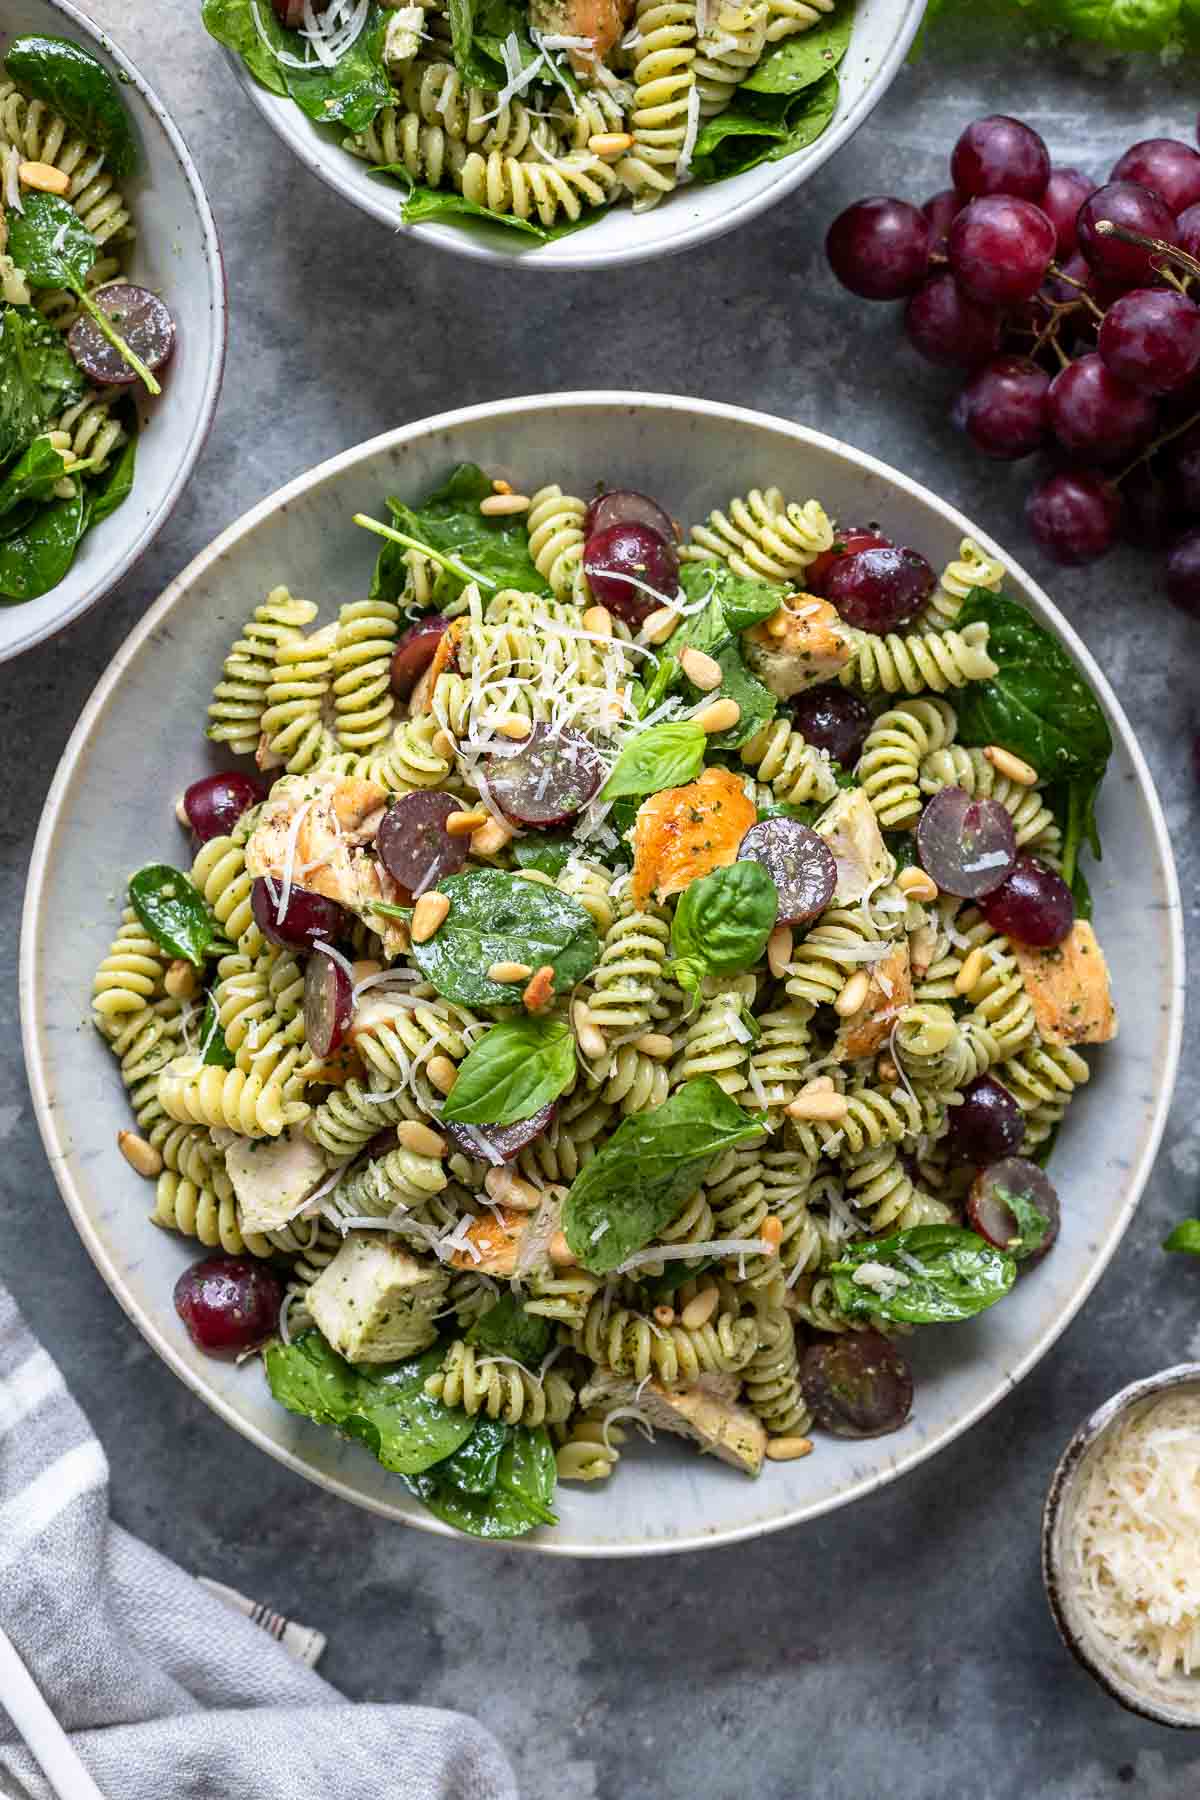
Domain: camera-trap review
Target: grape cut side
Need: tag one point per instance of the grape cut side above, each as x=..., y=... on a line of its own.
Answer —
x=967, y=845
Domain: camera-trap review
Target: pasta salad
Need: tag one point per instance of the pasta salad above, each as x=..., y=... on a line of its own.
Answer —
x=641, y=980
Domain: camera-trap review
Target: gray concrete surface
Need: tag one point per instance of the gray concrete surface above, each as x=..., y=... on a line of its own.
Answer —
x=902, y=1648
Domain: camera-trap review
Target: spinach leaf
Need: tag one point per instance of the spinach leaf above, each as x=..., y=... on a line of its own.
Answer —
x=506, y=1329
x=667, y=755
x=470, y=546
x=424, y=205
x=35, y=559
x=38, y=377
x=519, y=1500
x=798, y=62
x=474, y=1466
x=172, y=911
x=548, y=852
x=497, y=917
x=384, y=1406
x=722, y=923
x=1185, y=1237
x=763, y=128
x=116, y=486
x=1032, y=1223
x=637, y=1183
x=75, y=84
x=515, y=1068
x=33, y=477
x=213, y=1048
x=735, y=603
x=478, y=32
x=947, y=1274
x=231, y=23
x=756, y=703
x=349, y=94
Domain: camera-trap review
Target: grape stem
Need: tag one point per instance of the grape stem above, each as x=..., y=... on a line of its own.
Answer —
x=1172, y=252
x=1073, y=281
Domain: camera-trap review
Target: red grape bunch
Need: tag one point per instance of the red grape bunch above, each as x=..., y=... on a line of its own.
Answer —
x=1070, y=308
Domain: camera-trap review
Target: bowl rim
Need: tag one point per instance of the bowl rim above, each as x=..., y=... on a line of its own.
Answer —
x=453, y=239
x=202, y=423
x=33, y=1030
x=1081, y=1442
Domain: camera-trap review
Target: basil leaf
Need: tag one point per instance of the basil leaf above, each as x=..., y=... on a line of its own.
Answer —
x=1185, y=1237
x=348, y=94
x=722, y=923
x=948, y=1274
x=1121, y=24
x=450, y=522
x=506, y=1329
x=213, y=1048
x=547, y=851
x=497, y=917
x=519, y=1500
x=79, y=87
x=117, y=485
x=384, y=1405
x=667, y=755
x=636, y=1184
x=474, y=1466
x=33, y=477
x=515, y=1068
x=35, y=559
x=798, y=62
x=172, y=911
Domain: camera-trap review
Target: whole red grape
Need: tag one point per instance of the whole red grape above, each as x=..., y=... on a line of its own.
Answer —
x=1002, y=409
x=1170, y=168
x=1074, y=515
x=1000, y=249
x=1150, y=338
x=1094, y=414
x=947, y=327
x=941, y=210
x=1181, y=472
x=1124, y=203
x=1066, y=191
x=879, y=248
x=1000, y=155
x=1187, y=230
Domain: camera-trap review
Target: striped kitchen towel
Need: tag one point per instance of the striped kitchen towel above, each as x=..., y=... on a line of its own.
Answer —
x=169, y=1690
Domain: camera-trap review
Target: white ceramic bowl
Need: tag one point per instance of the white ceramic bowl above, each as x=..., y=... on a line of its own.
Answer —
x=176, y=254
x=140, y=741
x=883, y=31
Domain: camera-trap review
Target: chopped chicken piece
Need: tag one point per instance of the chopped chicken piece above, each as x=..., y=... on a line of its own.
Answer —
x=374, y=1302
x=602, y=21
x=444, y=657
x=1069, y=986
x=685, y=832
x=496, y=1239
x=705, y=1411
x=889, y=987
x=272, y=1177
x=798, y=647
x=343, y=1065
x=851, y=830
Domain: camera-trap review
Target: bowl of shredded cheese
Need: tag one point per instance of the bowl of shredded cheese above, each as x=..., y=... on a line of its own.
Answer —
x=1121, y=1546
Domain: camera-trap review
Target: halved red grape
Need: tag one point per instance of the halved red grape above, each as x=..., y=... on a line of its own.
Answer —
x=625, y=506
x=1183, y=574
x=1150, y=338
x=986, y=1125
x=504, y=1141
x=967, y=845
x=1034, y=905
x=847, y=542
x=1002, y=409
x=307, y=918
x=414, y=652
x=631, y=569
x=950, y=329
x=215, y=803
x=880, y=590
x=834, y=719
x=1091, y=412
x=1166, y=166
x=858, y=1385
x=291, y=12
x=799, y=862
x=879, y=248
x=1074, y=515
x=941, y=210
x=549, y=778
x=1014, y=1205
x=1125, y=203
x=230, y=1304
x=328, y=1004
x=413, y=844
x=1000, y=249
x=1066, y=191
x=142, y=320
x=1000, y=155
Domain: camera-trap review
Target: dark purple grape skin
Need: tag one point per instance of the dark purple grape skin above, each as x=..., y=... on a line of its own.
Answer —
x=849, y=541
x=799, y=862
x=1034, y=905
x=1066, y=191
x=328, y=1004
x=834, y=719
x=1187, y=230
x=611, y=556
x=880, y=590
x=1150, y=339
x=229, y=1304
x=413, y=844
x=879, y=248
x=414, y=652
x=950, y=329
x=1000, y=249
x=957, y=833
x=941, y=210
x=1183, y=574
x=990, y=1215
x=1168, y=167
x=548, y=779
x=215, y=803
x=859, y=1385
x=308, y=918
x=1181, y=472
x=1074, y=516
x=1002, y=409
x=1124, y=203
x=624, y=506
x=290, y=13
x=138, y=316
x=1097, y=416
x=506, y=1141
x=987, y=1125
x=1000, y=155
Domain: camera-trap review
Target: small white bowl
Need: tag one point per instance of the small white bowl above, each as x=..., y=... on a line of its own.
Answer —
x=883, y=31
x=177, y=254
x=1128, y=1676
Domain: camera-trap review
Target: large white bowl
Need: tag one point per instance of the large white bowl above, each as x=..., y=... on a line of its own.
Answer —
x=883, y=31
x=176, y=254
x=140, y=741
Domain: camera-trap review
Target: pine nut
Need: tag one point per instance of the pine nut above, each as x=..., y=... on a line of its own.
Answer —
x=540, y=991
x=498, y=506
x=442, y=1072
x=655, y=1044
x=788, y=1449
x=559, y=1251
x=44, y=177
x=181, y=814
x=444, y=745
x=139, y=1154
x=915, y=884
x=509, y=971
x=462, y=824
x=659, y=626
x=180, y=980
x=428, y=915
x=512, y=725
x=701, y=670
x=365, y=966
x=490, y=839
x=829, y=1109
x=587, y=1033
x=820, y=1084
x=420, y=1139
x=664, y=1315
x=598, y=620
x=1014, y=767
x=853, y=996
x=508, y=1189
x=700, y=1308
x=779, y=950
x=968, y=977
x=609, y=143
x=777, y=624
x=500, y=486
x=771, y=1230
x=887, y=1072
x=718, y=715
